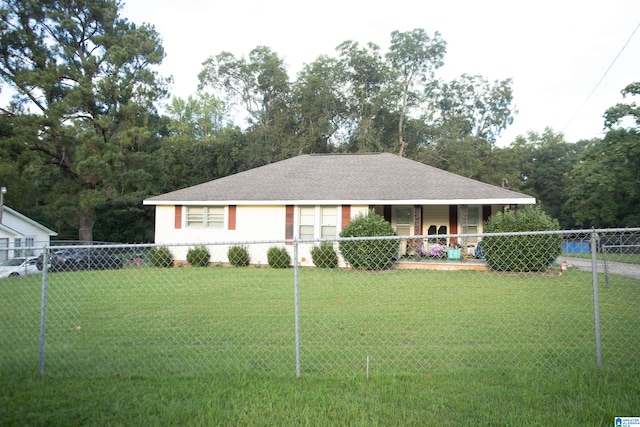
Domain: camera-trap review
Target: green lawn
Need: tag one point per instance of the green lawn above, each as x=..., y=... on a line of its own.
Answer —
x=216, y=346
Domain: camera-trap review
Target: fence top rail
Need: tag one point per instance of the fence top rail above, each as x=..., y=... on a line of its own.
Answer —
x=102, y=245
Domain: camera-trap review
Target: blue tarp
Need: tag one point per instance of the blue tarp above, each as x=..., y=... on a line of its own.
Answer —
x=575, y=247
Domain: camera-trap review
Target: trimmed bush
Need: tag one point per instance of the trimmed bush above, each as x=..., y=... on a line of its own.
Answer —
x=521, y=253
x=161, y=256
x=324, y=256
x=369, y=254
x=198, y=256
x=238, y=256
x=278, y=257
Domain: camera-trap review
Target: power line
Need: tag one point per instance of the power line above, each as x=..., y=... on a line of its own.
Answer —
x=601, y=78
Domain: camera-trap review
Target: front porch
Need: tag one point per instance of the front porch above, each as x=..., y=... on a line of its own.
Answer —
x=431, y=253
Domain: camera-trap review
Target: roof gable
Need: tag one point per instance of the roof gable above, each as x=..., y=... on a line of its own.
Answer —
x=8, y=214
x=346, y=178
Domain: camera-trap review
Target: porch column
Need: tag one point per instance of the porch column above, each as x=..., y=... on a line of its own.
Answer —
x=464, y=221
x=417, y=220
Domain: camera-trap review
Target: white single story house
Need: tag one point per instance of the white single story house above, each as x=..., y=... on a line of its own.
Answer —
x=316, y=195
x=21, y=236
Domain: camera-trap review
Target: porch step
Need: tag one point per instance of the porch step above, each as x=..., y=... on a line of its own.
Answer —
x=435, y=265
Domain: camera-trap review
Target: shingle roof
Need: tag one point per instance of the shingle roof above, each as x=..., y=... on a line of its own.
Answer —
x=343, y=178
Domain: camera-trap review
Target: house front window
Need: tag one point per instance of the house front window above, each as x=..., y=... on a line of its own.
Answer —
x=4, y=249
x=205, y=216
x=23, y=248
x=307, y=222
x=318, y=222
x=17, y=247
x=29, y=243
x=329, y=221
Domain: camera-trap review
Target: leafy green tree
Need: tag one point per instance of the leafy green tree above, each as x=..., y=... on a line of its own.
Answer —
x=197, y=147
x=85, y=79
x=198, y=118
x=16, y=168
x=361, y=100
x=413, y=57
x=503, y=165
x=260, y=84
x=485, y=107
x=466, y=116
x=606, y=182
x=319, y=105
x=615, y=115
x=545, y=172
x=365, y=84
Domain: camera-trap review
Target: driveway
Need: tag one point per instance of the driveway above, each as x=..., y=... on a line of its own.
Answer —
x=584, y=264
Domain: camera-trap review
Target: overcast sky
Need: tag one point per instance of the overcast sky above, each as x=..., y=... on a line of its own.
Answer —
x=556, y=51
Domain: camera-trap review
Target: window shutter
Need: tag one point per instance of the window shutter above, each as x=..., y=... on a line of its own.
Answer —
x=178, y=217
x=453, y=222
x=288, y=225
x=346, y=215
x=232, y=217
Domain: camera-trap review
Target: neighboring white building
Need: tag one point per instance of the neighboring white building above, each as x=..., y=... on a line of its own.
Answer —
x=316, y=195
x=21, y=236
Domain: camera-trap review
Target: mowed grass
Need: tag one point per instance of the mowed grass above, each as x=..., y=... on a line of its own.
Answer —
x=215, y=346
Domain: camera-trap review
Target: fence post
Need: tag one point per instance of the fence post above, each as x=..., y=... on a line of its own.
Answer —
x=296, y=305
x=596, y=305
x=43, y=308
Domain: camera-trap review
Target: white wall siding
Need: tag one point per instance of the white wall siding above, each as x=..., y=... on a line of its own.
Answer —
x=253, y=224
x=260, y=223
x=26, y=229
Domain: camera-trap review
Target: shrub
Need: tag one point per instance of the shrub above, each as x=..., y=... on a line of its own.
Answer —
x=161, y=256
x=278, y=257
x=198, y=256
x=369, y=254
x=521, y=253
x=324, y=256
x=238, y=256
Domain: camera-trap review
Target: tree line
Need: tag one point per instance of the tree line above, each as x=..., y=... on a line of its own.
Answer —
x=82, y=142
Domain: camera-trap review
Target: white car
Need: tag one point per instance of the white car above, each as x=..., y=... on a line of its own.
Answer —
x=18, y=267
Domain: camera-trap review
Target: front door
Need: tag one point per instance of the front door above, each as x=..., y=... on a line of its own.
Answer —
x=403, y=219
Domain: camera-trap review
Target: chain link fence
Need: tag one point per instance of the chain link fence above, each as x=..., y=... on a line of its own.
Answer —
x=345, y=307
